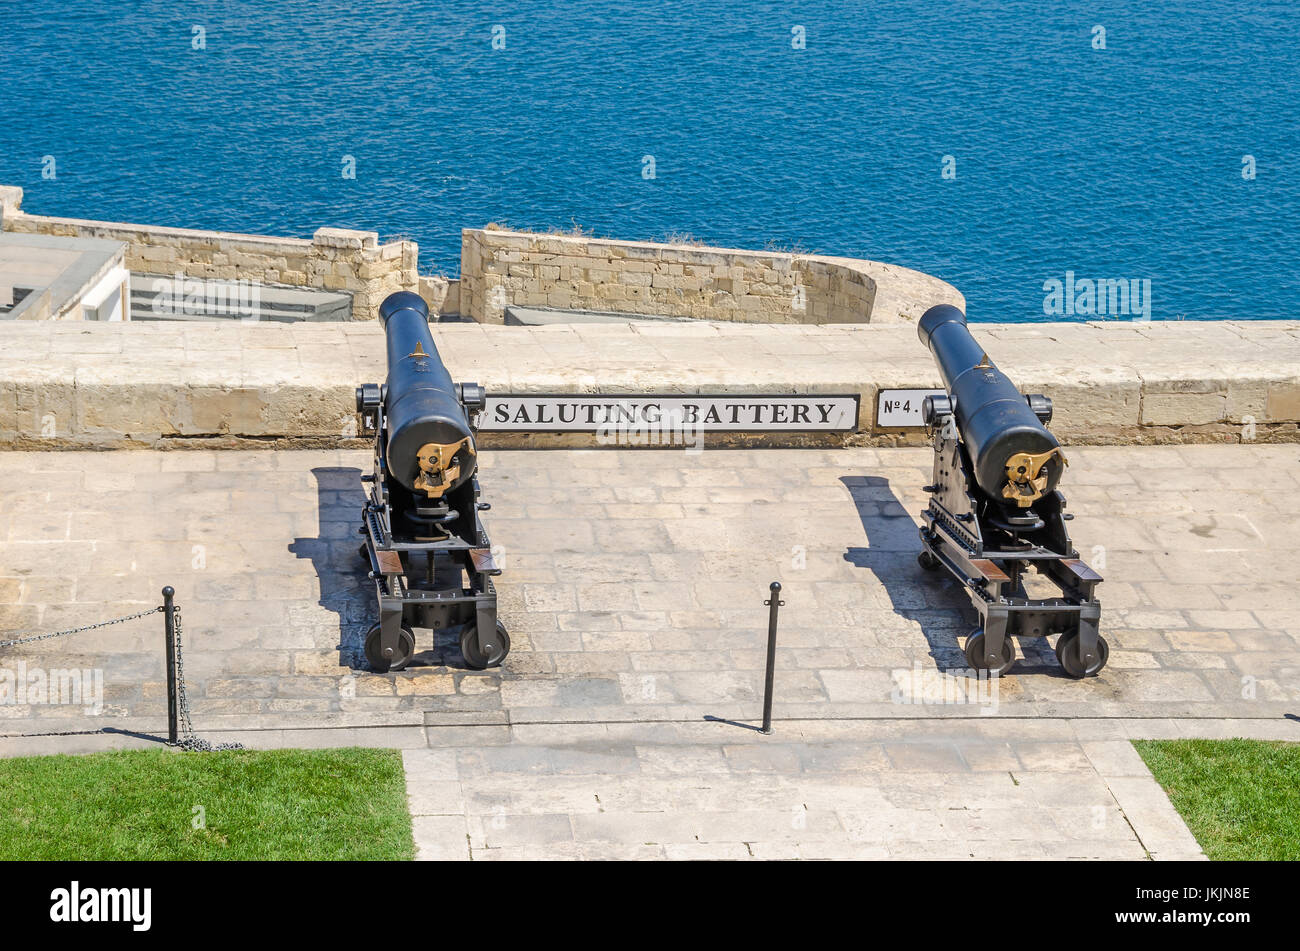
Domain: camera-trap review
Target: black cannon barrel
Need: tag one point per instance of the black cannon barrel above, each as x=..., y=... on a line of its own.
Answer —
x=422, y=405
x=993, y=417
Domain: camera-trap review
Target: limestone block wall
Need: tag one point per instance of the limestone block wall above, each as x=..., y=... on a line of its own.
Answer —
x=442, y=294
x=216, y=384
x=579, y=272
x=334, y=259
x=503, y=268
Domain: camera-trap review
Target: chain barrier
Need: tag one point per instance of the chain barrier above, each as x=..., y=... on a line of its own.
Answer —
x=188, y=740
x=78, y=630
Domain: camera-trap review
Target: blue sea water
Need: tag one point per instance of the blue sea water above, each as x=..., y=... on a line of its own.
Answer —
x=1123, y=163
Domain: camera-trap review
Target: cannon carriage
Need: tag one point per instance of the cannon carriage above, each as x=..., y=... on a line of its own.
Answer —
x=425, y=546
x=995, y=512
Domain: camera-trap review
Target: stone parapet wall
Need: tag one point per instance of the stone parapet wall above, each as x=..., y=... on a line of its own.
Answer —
x=504, y=268
x=212, y=384
x=500, y=269
x=334, y=259
x=441, y=294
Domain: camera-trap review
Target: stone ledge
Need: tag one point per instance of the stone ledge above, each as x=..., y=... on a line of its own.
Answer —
x=351, y=240
x=127, y=231
x=211, y=384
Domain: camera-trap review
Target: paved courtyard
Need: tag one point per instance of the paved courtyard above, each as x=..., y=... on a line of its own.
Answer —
x=813, y=790
x=633, y=589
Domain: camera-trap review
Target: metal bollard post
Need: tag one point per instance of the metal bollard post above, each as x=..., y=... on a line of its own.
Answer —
x=774, y=603
x=169, y=620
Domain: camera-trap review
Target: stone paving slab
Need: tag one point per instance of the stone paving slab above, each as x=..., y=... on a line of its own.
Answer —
x=633, y=589
x=970, y=790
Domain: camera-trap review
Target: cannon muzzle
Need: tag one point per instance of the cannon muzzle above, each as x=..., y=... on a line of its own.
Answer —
x=1015, y=459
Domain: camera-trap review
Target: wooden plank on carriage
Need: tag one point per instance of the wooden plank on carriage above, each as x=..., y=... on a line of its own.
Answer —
x=390, y=562
x=1079, y=569
x=484, y=563
x=989, y=571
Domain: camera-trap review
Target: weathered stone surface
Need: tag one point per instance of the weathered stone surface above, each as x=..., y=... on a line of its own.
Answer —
x=345, y=238
x=11, y=201
x=335, y=258
x=1283, y=401
x=634, y=583
x=502, y=268
x=435, y=292
x=107, y=384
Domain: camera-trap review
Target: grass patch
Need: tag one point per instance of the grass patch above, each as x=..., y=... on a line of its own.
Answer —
x=1240, y=798
x=246, y=804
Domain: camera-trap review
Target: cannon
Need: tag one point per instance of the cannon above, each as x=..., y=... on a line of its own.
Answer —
x=995, y=510
x=427, y=552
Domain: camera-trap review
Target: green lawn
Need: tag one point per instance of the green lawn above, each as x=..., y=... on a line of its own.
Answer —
x=1240, y=798
x=243, y=804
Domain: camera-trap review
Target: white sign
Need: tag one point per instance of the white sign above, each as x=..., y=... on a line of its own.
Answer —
x=592, y=412
x=898, y=409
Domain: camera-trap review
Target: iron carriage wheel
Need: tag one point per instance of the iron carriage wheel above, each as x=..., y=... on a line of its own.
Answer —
x=1067, y=653
x=975, y=654
x=405, y=650
x=476, y=659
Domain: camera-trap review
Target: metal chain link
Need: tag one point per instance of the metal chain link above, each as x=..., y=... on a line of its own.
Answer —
x=189, y=741
x=78, y=630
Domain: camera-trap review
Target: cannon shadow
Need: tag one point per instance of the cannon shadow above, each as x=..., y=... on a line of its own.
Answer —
x=346, y=591
x=932, y=600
